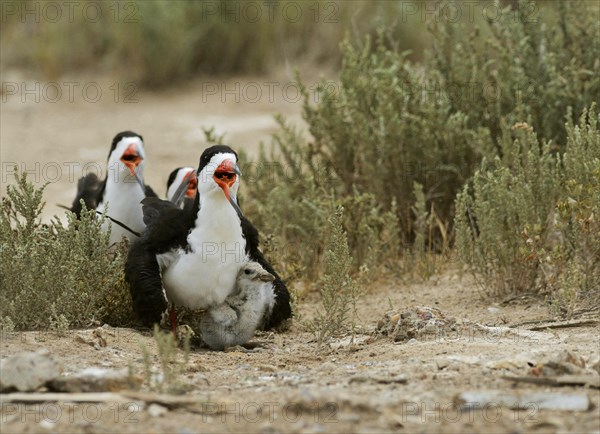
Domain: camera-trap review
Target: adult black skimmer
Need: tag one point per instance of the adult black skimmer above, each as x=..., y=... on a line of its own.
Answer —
x=182, y=186
x=121, y=191
x=195, y=253
x=235, y=321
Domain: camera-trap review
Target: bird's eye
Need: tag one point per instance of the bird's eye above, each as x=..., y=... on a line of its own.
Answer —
x=247, y=271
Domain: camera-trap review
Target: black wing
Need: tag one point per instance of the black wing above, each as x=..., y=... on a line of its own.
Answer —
x=166, y=228
x=145, y=284
x=149, y=192
x=89, y=188
x=282, y=308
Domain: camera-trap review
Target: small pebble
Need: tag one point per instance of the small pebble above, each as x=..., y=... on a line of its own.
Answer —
x=156, y=410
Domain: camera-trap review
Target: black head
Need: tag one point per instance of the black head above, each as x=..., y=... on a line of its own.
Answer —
x=172, y=177
x=120, y=137
x=211, y=152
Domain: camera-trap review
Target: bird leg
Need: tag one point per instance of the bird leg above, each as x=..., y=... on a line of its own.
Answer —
x=173, y=318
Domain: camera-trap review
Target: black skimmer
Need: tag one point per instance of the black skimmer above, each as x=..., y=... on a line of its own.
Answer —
x=191, y=257
x=121, y=191
x=235, y=321
x=182, y=186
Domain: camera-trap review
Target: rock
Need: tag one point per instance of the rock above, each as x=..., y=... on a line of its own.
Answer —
x=156, y=410
x=381, y=379
x=562, y=363
x=540, y=400
x=26, y=372
x=268, y=368
x=200, y=379
x=96, y=380
x=443, y=363
x=97, y=338
x=416, y=322
x=327, y=366
x=511, y=365
x=349, y=341
x=46, y=424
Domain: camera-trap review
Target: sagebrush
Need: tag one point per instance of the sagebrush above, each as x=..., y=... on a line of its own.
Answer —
x=528, y=222
x=57, y=275
x=339, y=291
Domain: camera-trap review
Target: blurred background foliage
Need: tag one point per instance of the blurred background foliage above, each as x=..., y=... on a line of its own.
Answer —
x=162, y=42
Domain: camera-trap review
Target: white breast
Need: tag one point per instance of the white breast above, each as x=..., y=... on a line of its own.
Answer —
x=123, y=201
x=206, y=275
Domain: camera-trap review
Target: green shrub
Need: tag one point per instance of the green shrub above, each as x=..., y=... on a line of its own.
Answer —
x=55, y=276
x=339, y=291
x=529, y=66
x=572, y=262
x=513, y=198
x=528, y=221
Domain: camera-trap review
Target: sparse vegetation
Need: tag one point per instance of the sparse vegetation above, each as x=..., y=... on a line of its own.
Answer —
x=169, y=377
x=55, y=276
x=528, y=221
x=339, y=291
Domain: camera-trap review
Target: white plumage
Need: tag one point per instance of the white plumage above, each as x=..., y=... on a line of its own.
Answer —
x=123, y=193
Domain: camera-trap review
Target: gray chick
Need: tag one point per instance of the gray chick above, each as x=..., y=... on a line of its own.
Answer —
x=234, y=321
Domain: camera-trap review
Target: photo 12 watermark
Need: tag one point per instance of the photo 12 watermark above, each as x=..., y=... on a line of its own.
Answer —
x=292, y=92
x=69, y=91
x=265, y=92
x=269, y=11
x=455, y=412
x=71, y=171
x=466, y=11
x=291, y=12
x=49, y=413
x=69, y=11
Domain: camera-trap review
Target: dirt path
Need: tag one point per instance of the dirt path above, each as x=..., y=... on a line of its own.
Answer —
x=372, y=385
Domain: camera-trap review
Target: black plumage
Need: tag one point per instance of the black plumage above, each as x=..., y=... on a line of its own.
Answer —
x=91, y=189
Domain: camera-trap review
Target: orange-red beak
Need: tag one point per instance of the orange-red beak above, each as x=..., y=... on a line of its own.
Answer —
x=192, y=184
x=131, y=158
x=225, y=176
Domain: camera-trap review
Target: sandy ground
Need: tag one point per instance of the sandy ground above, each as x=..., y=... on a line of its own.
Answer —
x=290, y=384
